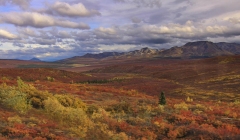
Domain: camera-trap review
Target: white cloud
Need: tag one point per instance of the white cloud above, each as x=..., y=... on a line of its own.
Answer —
x=7, y=35
x=116, y=47
x=63, y=34
x=37, y=20
x=106, y=30
x=169, y=29
x=75, y=10
x=27, y=31
x=105, y=33
x=216, y=29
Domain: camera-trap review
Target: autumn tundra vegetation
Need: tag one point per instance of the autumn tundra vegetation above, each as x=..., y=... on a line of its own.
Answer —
x=145, y=100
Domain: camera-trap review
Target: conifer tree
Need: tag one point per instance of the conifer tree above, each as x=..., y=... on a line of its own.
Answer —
x=162, y=99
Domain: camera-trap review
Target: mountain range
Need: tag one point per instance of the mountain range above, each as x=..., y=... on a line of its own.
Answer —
x=199, y=49
x=144, y=52
x=35, y=59
x=202, y=49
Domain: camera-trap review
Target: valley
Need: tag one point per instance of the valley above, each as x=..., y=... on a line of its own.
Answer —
x=118, y=98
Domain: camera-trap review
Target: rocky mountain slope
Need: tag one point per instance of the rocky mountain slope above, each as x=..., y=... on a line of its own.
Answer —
x=201, y=49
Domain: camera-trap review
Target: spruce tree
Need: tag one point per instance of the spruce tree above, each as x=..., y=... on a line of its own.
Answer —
x=162, y=99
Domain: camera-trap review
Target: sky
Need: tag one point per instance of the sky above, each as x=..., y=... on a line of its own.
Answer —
x=53, y=29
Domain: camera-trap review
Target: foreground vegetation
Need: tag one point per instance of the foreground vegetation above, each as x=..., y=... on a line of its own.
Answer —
x=29, y=113
x=147, y=99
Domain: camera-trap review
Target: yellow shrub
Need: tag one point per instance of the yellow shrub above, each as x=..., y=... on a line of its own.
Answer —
x=200, y=107
x=189, y=99
x=14, y=119
x=78, y=131
x=75, y=118
x=120, y=136
x=236, y=102
x=51, y=79
x=13, y=98
x=34, y=96
x=70, y=101
x=161, y=108
x=181, y=106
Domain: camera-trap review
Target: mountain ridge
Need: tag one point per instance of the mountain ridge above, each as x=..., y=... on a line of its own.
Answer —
x=198, y=49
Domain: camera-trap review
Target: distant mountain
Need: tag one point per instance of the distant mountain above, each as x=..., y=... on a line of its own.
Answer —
x=230, y=47
x=142, y=52
x=35, y=59
x=101, y=55
x=202, y=49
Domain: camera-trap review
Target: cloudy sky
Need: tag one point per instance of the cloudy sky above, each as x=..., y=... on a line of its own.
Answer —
x=52, y=29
